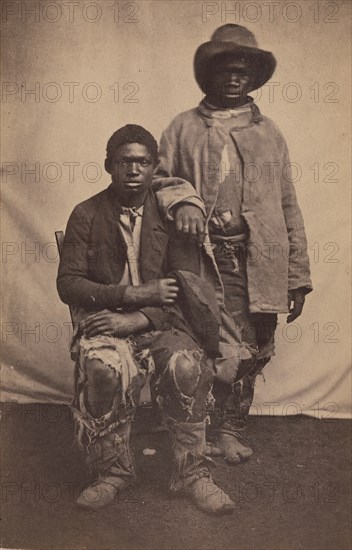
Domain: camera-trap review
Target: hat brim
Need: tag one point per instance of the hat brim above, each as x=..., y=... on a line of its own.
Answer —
x=263, y=63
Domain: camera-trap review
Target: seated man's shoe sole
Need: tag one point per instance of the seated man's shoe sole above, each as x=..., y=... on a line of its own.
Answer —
x=101, y=494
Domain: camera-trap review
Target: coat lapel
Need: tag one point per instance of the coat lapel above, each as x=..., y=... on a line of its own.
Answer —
x=154, y=240
x=107, y=238
x=111, y=252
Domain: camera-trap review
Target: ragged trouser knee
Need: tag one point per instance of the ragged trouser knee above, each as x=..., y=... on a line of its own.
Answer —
x=183, y=378
x=109, y=378
x=233, y=401
x=182, y=387
x=110, y=373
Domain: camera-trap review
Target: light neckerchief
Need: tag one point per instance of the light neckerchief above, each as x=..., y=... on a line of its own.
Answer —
x=216, y=112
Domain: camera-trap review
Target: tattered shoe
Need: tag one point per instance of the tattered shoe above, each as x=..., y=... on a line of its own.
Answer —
x=101, y=493
x=190, y=473
x=207, y=496
x=233, y=451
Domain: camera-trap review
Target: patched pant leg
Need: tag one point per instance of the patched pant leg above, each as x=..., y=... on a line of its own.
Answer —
x=182, y=387
x=104, y=435
x=227, y=410
x=232, y=402
x=265, y=326
x=183, y=377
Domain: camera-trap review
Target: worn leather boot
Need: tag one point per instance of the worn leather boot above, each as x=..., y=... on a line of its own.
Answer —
x=102, y=492
x=207, y=496
x=190, y=472
x=110, y=462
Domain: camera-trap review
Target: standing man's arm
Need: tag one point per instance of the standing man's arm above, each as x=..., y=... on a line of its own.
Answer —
x=299, y=282
x=177, y=198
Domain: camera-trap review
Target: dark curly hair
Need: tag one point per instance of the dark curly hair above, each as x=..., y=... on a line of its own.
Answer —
x=131, y=133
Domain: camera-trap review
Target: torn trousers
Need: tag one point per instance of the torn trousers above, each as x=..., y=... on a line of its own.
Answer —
x=104, y=437
x=232, y=402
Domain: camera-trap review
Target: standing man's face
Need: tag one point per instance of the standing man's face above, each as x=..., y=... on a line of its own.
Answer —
x=228, y=84
x=131, y=170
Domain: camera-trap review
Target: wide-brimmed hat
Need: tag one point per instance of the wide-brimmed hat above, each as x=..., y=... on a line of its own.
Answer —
x=239, y=41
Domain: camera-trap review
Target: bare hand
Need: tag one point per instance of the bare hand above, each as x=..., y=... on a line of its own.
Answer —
x=112, y=323
x=156, y=293
x=298, y=298
x=189, y=220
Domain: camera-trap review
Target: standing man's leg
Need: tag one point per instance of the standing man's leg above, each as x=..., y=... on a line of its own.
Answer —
x=232, y=402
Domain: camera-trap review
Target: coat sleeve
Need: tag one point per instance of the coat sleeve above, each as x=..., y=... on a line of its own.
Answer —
x=181, y=255
x=170, y=188
x=156, y=316
x=298, y=271
x=73, y=284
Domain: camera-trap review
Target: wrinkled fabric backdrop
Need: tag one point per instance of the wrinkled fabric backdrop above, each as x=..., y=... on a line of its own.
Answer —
x=95, y=66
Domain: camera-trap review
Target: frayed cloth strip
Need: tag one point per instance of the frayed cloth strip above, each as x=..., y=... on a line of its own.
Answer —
x=194, y=357
x=114, y=353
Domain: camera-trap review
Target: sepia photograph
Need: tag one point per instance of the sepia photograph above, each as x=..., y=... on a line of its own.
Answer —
x=176, y=275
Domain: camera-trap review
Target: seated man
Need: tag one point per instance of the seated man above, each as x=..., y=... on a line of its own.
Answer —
x=138, y=297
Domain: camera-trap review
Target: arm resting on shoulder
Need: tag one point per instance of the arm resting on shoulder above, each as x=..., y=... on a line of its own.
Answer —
x=177, y=198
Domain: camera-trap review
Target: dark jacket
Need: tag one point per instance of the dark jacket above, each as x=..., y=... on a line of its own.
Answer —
x=94, y=255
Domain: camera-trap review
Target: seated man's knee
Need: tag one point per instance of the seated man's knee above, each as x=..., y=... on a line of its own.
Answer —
x=187, y=371
x=101, y=376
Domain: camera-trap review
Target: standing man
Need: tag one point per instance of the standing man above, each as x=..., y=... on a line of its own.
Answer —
x=139, y=306
x=237, y=161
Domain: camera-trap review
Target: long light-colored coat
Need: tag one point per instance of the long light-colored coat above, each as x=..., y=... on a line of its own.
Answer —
x=190, y=158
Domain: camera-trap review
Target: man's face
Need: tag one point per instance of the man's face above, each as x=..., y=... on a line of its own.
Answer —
x=228, y=83
x=131, y=171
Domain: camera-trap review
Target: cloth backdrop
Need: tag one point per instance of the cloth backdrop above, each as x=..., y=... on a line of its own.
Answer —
x=95, y=66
